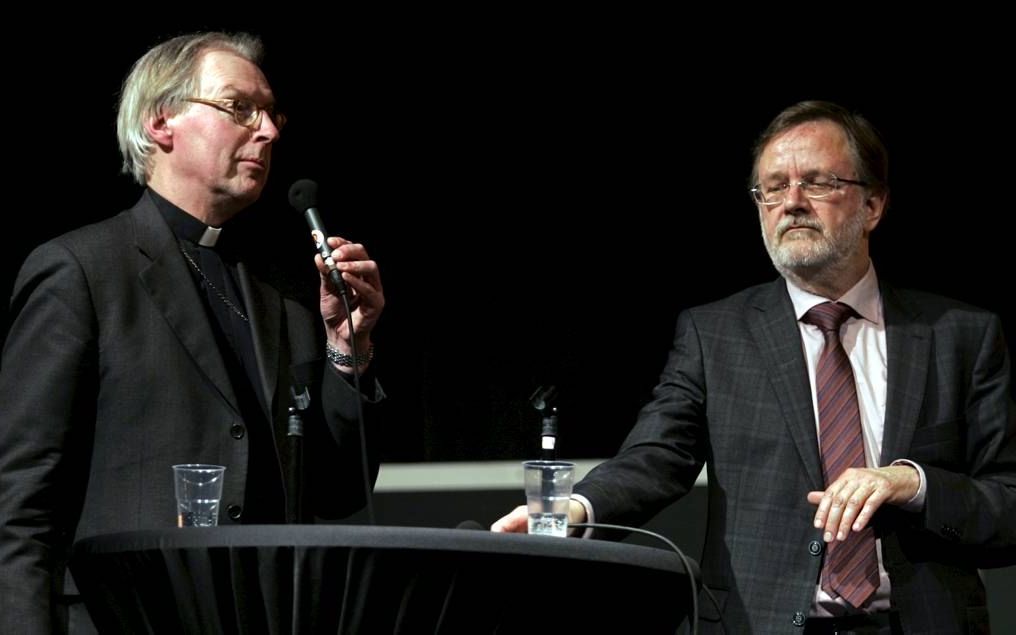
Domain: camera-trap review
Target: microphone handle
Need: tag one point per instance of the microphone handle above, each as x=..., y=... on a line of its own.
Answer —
x=320, y=236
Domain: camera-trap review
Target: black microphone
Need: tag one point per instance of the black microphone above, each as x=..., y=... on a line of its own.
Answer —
x=303, y=198
x=470, y=524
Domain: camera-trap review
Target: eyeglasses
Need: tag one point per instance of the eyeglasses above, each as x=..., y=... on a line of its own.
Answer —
x=818, y=187
x=245, y=112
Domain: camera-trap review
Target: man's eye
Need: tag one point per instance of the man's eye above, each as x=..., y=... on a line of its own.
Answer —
x=243, y=108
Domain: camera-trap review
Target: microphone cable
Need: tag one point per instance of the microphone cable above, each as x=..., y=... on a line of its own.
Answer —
x=364, y=457
x=303, y=198
x=693, y=617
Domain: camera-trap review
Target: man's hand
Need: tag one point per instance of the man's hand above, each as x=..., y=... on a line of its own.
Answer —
x=517, y=520
x=365, y=295
x=852, y=499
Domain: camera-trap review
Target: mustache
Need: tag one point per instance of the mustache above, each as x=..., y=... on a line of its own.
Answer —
x=794, y=222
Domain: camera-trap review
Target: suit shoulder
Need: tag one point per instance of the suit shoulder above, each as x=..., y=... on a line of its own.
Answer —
x=97, y=247
x=737, y=303
x=101, y=235
x=937, y=308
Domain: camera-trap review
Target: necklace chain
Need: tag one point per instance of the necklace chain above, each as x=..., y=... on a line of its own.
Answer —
x=222, y=296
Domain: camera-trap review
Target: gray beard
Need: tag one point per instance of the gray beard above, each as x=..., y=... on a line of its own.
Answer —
x=798, y=257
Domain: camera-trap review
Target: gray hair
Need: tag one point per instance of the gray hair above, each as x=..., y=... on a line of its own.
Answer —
x=160, y=81
x=871, y=159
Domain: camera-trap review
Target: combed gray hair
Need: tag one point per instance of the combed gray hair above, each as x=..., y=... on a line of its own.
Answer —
x=160, y=81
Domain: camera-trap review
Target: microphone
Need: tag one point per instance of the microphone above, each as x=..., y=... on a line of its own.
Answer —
x=303, y=198
x=470, y=524
x=541, y=399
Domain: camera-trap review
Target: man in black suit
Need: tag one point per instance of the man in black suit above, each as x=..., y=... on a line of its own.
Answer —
x=145, y=341
x=747, y=391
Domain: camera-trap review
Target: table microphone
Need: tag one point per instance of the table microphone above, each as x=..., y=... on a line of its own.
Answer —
x=541, y=399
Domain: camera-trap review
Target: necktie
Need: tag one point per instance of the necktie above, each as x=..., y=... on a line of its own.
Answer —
x=850, y=569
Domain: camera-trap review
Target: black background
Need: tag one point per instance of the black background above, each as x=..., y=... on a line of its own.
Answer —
x=543, y=196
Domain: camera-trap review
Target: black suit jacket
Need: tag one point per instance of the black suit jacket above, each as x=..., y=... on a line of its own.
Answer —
x=735, y=394
x=111, y=374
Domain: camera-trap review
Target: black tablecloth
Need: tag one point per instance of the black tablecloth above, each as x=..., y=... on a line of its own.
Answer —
x=358, y=579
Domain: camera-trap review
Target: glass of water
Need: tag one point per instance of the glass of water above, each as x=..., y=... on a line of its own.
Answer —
x=548, y=491
x=198, y=492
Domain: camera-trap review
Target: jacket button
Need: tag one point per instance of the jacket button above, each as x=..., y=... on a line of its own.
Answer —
x=234, y=511
x=237, y=431
x=815, y=547
x=798, y=618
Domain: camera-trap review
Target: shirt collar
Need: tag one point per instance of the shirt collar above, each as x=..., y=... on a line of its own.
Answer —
x=864, y=298
x=185, y=226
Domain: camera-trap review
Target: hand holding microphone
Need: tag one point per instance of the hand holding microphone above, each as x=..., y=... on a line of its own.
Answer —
x=351, y=302
x=346, y=270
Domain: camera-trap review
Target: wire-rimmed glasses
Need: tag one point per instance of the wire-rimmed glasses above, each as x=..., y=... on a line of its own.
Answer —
x=245, y=112
x=817, y=187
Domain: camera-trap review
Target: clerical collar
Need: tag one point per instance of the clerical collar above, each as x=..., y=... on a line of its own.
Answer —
x=210, y=237
x=184, y=225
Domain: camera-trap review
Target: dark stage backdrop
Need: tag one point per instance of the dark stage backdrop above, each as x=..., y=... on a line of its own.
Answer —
x=543, y=201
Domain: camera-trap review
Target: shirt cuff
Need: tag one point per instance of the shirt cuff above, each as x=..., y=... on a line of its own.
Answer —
x=369, y=387
x=916, y=503
x=590, y=516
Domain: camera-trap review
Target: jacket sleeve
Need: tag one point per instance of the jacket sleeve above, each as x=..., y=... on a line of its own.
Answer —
x=338, y=488
x=664, y=452
x=976, y=505
x=47, y=402
x=334, y=448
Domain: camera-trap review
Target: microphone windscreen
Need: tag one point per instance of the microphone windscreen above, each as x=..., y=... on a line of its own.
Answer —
x=303, y=195
x=470, y=524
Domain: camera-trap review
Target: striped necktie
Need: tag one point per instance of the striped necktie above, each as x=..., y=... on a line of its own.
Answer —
x=850, y=570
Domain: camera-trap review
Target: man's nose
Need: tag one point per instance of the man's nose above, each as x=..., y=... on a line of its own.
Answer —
x=266, y=128
x=794, y=200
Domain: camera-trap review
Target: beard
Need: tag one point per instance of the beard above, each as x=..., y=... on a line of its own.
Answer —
x=814, y=250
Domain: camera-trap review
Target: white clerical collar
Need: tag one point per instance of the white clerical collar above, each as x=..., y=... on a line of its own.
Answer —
x=210, y=237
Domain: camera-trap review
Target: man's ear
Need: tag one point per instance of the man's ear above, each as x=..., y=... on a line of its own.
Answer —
x=874, y=208
x=159, y=127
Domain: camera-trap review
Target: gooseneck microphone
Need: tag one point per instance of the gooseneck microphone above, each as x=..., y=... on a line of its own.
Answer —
x=542, y=399
x=303, y=198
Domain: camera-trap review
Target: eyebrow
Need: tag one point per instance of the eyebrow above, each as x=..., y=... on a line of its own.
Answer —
x=782, y=176
x=240, y=94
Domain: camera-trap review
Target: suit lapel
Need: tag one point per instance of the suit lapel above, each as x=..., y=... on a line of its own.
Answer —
x=265, y=309
x=775, y=331
x=908, y=344
x=169, y=284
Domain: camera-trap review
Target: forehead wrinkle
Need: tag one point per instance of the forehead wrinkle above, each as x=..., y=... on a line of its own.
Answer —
x=222, y=75
x=822, y=144
x=808, y=174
